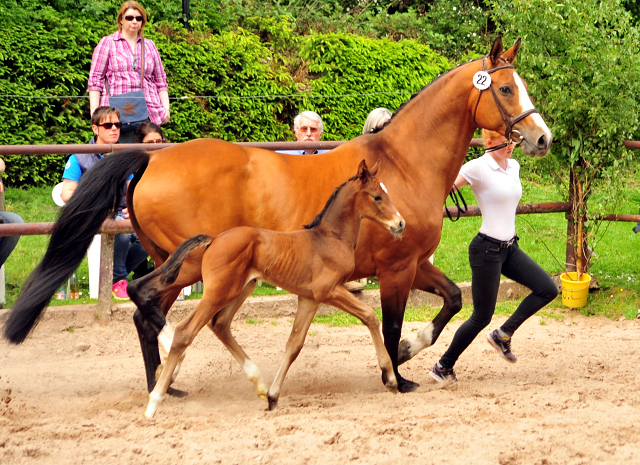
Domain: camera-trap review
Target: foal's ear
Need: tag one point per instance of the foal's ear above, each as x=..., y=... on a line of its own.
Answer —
x=374, y=169
x=363, y=171
x=496, y=51
x=510, y=55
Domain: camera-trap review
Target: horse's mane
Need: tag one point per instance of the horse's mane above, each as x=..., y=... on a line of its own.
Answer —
x=380, y=128
x=316, y=221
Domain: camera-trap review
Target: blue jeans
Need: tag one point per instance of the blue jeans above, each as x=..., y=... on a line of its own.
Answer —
x=128, y=253
x=488, y=261
x=7, y=244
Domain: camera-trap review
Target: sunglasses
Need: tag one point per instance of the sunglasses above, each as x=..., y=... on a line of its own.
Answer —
x=154, y=141
x=110, y=125
x=131, y=18
x=313, y=130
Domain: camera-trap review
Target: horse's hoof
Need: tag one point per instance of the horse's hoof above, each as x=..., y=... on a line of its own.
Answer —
x=404, y=385
x=391, y=385
x=273, y=404
x=404, y=351
x=177, y=392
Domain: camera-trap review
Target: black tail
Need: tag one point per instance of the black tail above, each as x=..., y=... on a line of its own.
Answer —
x=171, y=268
x=94, y=200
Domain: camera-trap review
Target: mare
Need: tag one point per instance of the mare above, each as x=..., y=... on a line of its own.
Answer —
x=312, y=263
x=210, y=186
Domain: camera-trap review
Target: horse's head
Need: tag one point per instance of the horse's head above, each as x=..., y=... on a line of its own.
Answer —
x=502, y=103
x=373, y=200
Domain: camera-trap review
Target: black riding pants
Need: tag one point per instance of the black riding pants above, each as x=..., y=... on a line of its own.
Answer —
x=488, y=262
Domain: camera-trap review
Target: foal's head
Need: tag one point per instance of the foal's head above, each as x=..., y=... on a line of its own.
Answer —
x=373, y=202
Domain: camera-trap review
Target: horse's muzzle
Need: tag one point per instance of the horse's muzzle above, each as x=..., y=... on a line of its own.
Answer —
x=398, y=228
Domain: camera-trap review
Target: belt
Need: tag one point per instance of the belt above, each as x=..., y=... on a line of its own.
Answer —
x=501, y=244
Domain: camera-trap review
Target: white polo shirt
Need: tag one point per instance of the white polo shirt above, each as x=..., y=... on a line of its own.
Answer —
x=498, y=192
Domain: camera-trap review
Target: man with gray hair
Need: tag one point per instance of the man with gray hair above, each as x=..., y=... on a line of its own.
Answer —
x=307, y=127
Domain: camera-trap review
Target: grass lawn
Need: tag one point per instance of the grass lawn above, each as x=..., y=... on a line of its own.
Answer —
x=542, y=236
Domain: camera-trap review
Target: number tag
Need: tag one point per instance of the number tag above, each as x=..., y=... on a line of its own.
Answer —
x=482, y=80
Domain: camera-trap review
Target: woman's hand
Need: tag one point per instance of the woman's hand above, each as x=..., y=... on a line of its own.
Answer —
x=165, y=118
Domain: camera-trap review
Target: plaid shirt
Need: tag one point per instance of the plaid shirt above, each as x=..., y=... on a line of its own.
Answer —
x=114, y=59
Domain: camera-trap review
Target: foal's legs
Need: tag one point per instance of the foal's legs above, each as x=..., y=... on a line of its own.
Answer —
x=304, y=316
x=185, y=333
x=431, y=279
x=221, y=327
x=153, y=301
x=344, y=300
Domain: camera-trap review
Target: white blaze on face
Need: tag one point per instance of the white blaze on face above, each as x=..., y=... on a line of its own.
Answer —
x=525, y=103
x=384, y=188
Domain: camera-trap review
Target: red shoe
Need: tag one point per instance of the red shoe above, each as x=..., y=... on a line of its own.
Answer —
x=119, y=290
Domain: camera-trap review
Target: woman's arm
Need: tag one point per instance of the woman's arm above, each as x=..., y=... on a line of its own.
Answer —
x=99, y=67
x=460, y=181
x=68, y=188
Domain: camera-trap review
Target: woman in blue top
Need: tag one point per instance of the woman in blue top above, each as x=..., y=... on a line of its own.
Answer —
x=128, y=252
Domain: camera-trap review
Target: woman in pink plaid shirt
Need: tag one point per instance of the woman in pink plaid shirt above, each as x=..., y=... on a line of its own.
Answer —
x=117, y=58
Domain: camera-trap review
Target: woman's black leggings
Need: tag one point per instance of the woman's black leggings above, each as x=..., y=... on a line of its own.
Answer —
x=488, y=261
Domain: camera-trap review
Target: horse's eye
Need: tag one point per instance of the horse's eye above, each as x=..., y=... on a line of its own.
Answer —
x=377, y=198
x=505, y=90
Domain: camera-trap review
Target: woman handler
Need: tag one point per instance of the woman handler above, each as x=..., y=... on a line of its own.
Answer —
x=495, y=181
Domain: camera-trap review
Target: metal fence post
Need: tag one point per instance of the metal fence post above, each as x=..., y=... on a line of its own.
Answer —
x=106, y=273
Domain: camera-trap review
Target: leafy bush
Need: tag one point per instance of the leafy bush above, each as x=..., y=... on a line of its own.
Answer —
x=581, y=62
x=238, y=85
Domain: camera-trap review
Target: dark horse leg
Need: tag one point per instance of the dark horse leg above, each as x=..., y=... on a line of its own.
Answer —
x=394, y=292
x=431, y=279
x=153, y=300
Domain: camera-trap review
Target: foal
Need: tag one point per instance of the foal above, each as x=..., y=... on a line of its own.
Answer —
x=312, y=263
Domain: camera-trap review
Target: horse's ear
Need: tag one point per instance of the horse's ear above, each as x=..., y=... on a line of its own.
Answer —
x=374, y=169
x=510, y=55
x=363, y=171
x=496, y=51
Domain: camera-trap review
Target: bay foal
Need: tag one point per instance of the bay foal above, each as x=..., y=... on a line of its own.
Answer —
x=312, y=263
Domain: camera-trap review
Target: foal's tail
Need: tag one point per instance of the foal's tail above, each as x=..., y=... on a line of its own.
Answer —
x=95, y=199
x=171, y=268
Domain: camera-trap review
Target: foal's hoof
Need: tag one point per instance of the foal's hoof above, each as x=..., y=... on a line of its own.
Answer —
x=391, y=385
x=177, y=392
x=273, y=404
x=404, y=351
x=404, y=385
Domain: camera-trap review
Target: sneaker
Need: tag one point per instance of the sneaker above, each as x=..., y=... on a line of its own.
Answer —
x=119, y=290
x=353, y=286
x=636, y=228
x=443, y=375
x=503, y=346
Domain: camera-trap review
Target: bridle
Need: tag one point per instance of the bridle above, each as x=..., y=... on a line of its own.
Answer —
x=512, y=135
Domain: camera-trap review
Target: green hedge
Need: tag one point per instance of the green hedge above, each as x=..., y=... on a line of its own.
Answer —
x=219, y=81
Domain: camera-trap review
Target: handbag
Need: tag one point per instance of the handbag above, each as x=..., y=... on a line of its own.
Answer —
x=132, y=105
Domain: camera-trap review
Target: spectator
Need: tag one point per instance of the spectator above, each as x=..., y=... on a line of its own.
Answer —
x=495, y=181
x=376, y=119
x=117, y=60
x=149, y=133
x=7, y=243
x=307, y=127
x=128, y=251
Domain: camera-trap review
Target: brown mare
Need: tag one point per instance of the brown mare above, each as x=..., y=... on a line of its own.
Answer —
x=312, y=263
x=210, y=186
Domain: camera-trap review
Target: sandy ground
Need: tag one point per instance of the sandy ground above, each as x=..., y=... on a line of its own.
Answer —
x=79, y=397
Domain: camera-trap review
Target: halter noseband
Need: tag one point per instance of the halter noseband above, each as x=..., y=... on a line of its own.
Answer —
x=512, y=135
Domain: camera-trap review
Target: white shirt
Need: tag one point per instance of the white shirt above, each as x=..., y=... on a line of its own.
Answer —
x=498, y=192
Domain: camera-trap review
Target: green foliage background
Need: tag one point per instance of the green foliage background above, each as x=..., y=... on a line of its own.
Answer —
x=218, y=76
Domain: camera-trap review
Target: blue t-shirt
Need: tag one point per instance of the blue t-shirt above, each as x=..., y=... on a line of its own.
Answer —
x=73, y=172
